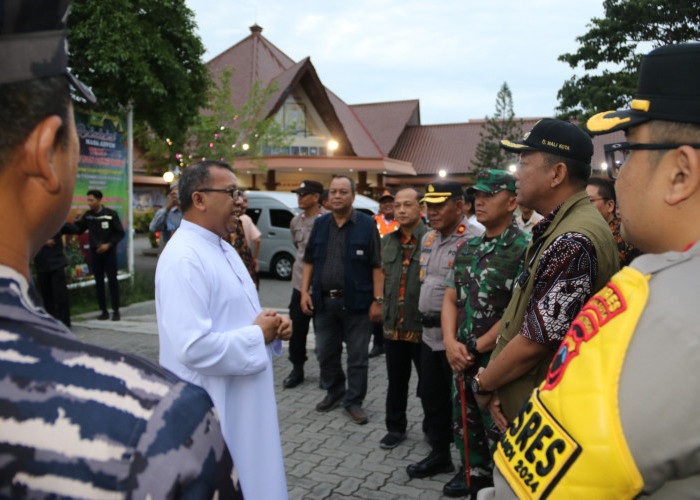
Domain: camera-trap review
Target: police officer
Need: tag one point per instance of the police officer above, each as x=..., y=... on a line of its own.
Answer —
x=479, y=287
x=445, y=202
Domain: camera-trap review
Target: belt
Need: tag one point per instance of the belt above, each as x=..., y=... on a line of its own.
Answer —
x=430, y=320
x=333, y=294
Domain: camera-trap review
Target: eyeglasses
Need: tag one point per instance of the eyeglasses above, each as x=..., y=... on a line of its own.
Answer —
x=235, y=193
x=616, y=155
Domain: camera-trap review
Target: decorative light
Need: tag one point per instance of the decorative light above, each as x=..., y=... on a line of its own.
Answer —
x=216, y=134
x=442, y=172
x=170, y=143
x=300, y=169
x=222, y=127
x=211, y=144
x=168, y=177
x=332, y=145
x=512, y=168
x=245, y=146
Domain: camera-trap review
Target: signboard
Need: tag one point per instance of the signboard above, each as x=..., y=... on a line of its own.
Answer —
x=103, y=166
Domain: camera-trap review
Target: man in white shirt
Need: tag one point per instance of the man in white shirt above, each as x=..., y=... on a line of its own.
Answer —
x=213, y=332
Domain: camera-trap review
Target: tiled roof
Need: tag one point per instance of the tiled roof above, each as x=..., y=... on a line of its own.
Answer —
x=385, y=121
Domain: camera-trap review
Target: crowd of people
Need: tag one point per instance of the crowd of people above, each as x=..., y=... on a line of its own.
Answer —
x=543, y=363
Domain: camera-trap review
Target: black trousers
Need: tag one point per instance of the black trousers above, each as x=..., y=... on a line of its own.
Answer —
x=399, y=357
x=300, y=329
x=54, y=293
x=106, y=263
x=436, y=380
x=378, y=334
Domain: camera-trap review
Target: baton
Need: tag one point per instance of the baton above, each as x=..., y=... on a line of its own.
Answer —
x=463, y=399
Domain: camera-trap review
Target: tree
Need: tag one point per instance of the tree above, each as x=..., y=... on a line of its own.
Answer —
x=503, y=125
x=224, y=132
x=143, y=53
x=617, y=43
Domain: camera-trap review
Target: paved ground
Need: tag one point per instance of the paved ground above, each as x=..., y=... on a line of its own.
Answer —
x=326, y=455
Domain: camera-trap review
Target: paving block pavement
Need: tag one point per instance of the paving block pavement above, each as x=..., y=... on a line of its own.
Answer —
x=327, y=456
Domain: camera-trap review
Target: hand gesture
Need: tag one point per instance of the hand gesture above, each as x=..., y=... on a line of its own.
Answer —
x=284, y=332
x=269, y=322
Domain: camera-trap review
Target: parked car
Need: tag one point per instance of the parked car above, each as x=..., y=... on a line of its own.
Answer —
x=272, y=211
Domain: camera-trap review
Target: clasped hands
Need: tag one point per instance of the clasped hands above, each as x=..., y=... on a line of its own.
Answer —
x=274, y=326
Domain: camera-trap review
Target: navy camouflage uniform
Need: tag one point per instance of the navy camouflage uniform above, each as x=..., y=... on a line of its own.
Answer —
x=80, y=421
x=483, y=274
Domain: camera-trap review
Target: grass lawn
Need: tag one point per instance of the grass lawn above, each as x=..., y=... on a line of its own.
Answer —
x=140, y=288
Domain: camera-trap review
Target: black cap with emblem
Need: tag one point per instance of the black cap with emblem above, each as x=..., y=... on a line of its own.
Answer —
x=668, y=89
x=33, y=42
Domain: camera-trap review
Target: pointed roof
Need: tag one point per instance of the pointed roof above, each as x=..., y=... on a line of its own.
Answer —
x=256, y=59
x=385, y=121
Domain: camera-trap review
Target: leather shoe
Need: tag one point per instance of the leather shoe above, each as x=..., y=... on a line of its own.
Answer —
x=328, y=403
x=435, y=463
x=357, y=414
x=116, y=316
x=104, y=315
x=377, y=350
x=457, y=486
x=296, y=377
x=392, y=440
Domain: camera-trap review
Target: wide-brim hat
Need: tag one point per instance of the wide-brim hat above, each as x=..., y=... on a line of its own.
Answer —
x=668, y=89
x=33, y=43
x=556, y=137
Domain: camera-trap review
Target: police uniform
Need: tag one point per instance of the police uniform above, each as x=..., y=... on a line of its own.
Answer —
x=437, y=255
x=483, y=276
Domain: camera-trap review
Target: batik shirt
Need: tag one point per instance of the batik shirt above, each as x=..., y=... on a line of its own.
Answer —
x=80, y=421
x=564, y=280
x=626, y=251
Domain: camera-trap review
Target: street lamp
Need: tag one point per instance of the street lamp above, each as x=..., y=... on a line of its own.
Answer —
x=442, y=172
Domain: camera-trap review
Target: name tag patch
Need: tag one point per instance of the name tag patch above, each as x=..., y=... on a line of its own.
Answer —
x=360, y=252
x=536, y=451
x=104, y=224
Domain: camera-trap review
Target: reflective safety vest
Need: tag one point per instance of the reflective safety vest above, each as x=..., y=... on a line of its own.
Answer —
x=385, y=226
x=567, y=441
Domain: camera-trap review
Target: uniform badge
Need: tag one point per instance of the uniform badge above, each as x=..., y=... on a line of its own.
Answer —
x=461, y=228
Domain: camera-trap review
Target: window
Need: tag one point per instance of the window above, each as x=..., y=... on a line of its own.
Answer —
x=280, y=218
x=254, y=213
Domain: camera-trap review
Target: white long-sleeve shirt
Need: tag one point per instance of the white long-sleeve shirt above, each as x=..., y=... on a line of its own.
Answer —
x=206, y=303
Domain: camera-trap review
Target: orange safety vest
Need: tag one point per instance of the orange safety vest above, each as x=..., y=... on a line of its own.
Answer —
x=384, y=226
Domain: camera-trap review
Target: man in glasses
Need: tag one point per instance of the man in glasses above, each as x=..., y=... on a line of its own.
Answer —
x=308, y=199
x=572, y=255
x=619, y=402
x=212, y=330
x=601, y=192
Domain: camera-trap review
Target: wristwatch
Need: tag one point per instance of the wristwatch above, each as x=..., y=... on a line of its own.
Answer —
x=379, y=300
x=476, y=387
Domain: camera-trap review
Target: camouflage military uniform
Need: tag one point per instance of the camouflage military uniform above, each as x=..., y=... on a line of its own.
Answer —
x=483, y=274
x=81, y=421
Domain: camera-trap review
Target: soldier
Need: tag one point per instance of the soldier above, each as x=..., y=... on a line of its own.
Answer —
x=76, y=420
x=479, y=287
x=438, y=249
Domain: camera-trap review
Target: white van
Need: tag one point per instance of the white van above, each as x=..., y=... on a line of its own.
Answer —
x=272, y=211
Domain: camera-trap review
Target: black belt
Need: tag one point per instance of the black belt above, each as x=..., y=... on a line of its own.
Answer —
x=333, y=294
x=430, y=320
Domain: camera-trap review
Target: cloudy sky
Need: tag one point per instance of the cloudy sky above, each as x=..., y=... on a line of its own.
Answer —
x=453, y=55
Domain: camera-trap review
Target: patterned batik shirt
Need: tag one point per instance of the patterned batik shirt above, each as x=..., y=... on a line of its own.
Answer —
x=408, y=244
x=485, y=270
x=626, y=252
x=564, y=281
x=80, y=421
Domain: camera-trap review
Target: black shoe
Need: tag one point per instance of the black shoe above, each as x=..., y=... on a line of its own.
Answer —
x=357, y=414
x=457, y=486
x=435, y=463
x=377, y=350
x=104, y=315
x=328, y=403
x=296, y=377
x=116, y=316
x=392, y=440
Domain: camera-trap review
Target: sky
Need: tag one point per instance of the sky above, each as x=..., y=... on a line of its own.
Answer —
x=452, y=55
